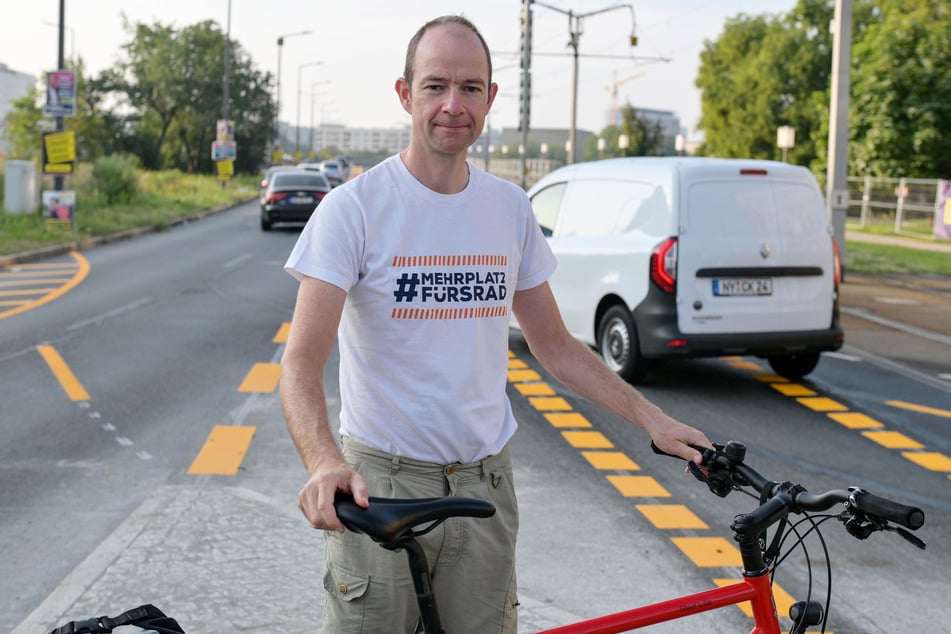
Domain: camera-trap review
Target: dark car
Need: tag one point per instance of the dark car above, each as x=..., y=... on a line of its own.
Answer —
x=292, y=196
x=266, y=179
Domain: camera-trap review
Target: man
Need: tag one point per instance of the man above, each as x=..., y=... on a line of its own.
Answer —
x=420, y=263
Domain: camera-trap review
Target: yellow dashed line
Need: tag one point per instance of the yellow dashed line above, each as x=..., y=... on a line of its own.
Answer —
x=534, y=389
x=587, y=440
x=792, y=389
x=709, y=552
x=550, y=403
x=822, y=404
x=567, y=419
x=770, y=378
x=638, y=486
x=671, y=516
x=223, y=452
x=610, y=461
x=745, y=365
x=929, y=460
x=282, y=332
x=856, y=420
x=517, y=364
x=263, y=377
x=517, y=376
x=74, y=389
x=892, y=440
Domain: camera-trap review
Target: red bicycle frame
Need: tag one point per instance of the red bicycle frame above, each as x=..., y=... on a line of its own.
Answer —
x=755, y=589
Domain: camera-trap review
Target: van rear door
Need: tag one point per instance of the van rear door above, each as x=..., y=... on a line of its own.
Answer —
x=754, y=254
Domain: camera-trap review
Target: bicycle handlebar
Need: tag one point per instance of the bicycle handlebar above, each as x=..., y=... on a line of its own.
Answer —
x=723, y=469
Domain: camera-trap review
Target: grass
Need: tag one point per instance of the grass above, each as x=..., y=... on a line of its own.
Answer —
x=161, y=199
x=887, y=259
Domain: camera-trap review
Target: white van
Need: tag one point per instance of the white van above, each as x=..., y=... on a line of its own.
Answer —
x=691, y=257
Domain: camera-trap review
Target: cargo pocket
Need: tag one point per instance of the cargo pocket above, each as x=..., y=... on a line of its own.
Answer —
x=344, y=609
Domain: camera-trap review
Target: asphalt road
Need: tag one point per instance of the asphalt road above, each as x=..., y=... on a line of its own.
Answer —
x=100, y=510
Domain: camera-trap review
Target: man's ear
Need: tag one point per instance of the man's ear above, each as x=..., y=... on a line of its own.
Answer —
x=402, y=90
x=493, y=91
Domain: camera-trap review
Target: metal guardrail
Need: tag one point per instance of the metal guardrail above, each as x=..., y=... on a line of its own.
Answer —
x=908, y=204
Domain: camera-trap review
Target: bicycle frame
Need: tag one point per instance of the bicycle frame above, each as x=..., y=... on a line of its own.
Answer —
x=755, y=589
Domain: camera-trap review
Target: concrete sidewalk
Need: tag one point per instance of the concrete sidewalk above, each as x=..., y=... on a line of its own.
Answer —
x=217, y=559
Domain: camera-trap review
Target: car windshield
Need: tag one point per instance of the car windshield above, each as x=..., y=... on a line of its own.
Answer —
x=299, y=180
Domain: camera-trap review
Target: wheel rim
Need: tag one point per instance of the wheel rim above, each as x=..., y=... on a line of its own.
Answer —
x=615, y=344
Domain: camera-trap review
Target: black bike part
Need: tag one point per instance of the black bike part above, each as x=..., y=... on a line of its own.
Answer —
x=878, y=507
x=388, y=520
x=805, y=614
x=147, y=617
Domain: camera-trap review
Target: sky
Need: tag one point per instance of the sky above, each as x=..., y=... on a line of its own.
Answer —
x=344, y=70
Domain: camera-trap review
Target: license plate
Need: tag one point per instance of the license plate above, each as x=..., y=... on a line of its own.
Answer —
x=300, y=200
x=743, y=287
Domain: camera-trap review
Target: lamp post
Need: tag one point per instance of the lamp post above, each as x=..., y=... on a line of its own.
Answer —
x=277, y=99
x=299, y=69
x=575, y=29
x=785, y=139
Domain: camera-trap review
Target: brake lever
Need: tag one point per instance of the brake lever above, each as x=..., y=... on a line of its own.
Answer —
x=914, y=540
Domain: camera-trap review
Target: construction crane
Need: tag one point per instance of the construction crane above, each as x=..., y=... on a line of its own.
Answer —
x=613, y=86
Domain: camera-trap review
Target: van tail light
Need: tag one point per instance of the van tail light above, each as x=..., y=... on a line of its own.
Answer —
x=836, y=264
x=663, y=270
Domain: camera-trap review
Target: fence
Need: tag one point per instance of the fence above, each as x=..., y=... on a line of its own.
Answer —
x=511, y=169
x=907, y=204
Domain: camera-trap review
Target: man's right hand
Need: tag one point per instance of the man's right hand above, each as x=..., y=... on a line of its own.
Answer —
x=316, y=499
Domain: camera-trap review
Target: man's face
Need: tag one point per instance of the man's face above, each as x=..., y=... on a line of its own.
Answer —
x=450, y=95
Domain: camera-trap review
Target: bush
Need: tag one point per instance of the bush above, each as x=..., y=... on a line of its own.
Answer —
x=116, y=178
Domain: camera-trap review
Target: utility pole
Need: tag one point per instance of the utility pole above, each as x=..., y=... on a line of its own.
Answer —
x=60, y=64
x=525, y=101
x=837, y=182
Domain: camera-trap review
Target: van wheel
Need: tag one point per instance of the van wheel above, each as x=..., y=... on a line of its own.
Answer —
x=794, y=366
x=265, y=224
x=617, y=344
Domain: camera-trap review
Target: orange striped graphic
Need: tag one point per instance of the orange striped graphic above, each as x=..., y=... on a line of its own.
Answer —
x=409, y=261
x=449, y=313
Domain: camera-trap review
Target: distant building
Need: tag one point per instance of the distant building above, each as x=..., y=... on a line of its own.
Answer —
x=553, y=139
x=13, y=85
x=360, y=139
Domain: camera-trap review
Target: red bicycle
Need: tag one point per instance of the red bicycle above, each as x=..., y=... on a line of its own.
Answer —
x=393, y=524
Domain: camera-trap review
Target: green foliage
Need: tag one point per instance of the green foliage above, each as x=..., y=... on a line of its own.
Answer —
x=23, y=127
x=116, y=178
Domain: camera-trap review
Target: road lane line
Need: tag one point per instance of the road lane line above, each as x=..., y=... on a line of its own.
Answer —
x=63, y=374
x=263, y=377
x=224, y=451
x=920, y=408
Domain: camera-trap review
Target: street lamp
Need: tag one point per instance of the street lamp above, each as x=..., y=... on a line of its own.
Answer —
x=299, y=69
x=575, y=30
x=785, y=139
x=277, y=114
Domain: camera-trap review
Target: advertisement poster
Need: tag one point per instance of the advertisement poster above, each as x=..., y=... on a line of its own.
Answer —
x=59, y=152
x=59, y=207
x=942, y=211
x=60, y=94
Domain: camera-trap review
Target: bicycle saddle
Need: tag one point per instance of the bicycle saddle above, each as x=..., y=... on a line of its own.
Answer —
x=388, y=520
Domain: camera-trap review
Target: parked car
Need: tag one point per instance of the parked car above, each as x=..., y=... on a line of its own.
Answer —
x=292, y=196
x=692, y=257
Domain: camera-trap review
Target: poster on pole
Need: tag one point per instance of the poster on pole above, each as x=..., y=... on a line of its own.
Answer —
x=59, y=152
x=60, y=94
x=59, y=207
x=942, y=210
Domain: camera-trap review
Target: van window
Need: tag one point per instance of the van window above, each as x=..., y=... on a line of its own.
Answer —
x=546, y=204
x=793, y=199
x=607, y=207
x=733, y=209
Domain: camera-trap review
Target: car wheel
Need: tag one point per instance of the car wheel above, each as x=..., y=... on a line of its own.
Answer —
x=794, y=366
x=265, y=224
x=617, y=344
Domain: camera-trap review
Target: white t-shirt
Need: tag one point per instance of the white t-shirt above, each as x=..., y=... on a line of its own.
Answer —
x=430, y=278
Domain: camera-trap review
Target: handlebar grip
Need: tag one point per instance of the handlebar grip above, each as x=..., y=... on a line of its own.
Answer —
x=871, y=504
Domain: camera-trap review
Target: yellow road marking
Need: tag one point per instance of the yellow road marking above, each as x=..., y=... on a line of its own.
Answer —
x=534, y=389
x=282, y=332
x=223, y=452
x=855, y=420
x=587, y=440
x=929, y=460
x=517, y=364
x=263, y=377
x=517, y=376
x=771, y=378
x=63, y=374
x=610, y=461
x=80, y=275
x=792, y=389
x=671, y=516
x=920, y=408
x=709, y=552
x=549, y=403
x=822, y=404
x=638, y=486
x=892, y=440
x=567, y=419
x=745, y=365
